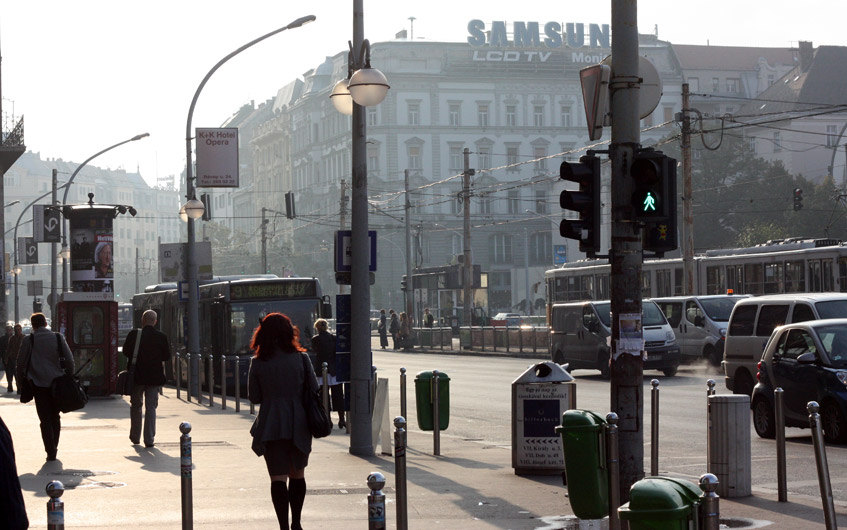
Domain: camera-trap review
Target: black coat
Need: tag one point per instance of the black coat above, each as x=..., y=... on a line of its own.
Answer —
x=152, y=352
x=12, y=505
x=323, y=345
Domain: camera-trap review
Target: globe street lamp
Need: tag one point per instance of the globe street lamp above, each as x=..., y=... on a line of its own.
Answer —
x=192, y=212
x=366, y=86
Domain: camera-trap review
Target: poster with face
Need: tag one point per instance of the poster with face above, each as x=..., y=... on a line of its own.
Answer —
x=92, y=268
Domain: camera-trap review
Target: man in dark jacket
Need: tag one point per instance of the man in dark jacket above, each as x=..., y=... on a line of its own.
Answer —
x=324, y=346
x=12, y=508
x=153, y=350
x=4, y=343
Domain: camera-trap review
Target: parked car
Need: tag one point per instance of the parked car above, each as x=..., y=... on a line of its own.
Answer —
x=808, y=361
x=754, y=319
x=513, y=320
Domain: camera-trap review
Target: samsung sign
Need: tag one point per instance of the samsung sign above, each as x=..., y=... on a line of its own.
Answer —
x=528, y=35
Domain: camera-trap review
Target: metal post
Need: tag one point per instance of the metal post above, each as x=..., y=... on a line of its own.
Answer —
x=376, y=501
x=823, y=467
x=325, y=388
x=237, y=376
x=710, y=391
x=687, y=203
x=467, y=266
x=400, y=472
x=613, y=462
x=436, y=421
x=210, y=380
x=403, y=392
x=55, y=507
x=185, y=473
x=177, y=371
x=373, y=387
x=710, y=513
x=779, y=417
x=187, y=376
x=654, y=428
x=223, y=382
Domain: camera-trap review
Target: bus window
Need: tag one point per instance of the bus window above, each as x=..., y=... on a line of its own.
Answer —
x=645, y=284
x=815, y=276
x=753, y=278
x=773, y=278
x=663, y=282
x=842, y=274
x=603, y=287
x=714, y=280
x=795, y=277
x=827, y=276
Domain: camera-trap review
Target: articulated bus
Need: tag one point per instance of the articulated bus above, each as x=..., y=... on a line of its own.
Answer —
x=778, y=266
x=230, y=308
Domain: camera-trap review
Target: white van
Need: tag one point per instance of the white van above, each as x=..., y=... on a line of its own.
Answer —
x=699, y=323
x=580, y=331
x=754, y=319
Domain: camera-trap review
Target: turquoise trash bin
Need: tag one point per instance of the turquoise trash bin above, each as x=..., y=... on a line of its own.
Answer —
x=662, y=503
x=583, y=442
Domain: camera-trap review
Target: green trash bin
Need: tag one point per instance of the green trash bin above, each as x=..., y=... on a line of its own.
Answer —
x=583, y=442
x=423, y=400
x=661, y=503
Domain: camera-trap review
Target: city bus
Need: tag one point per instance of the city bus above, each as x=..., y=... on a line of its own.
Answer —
x=779, y=266
x=229, y=311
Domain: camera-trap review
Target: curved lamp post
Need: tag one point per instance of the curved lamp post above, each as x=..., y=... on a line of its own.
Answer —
x=192, y=211
x=65, y=250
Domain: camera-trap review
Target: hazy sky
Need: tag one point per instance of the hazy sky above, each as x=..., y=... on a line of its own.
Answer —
x=90, y=73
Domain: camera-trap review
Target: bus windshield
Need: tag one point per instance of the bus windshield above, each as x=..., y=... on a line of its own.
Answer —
x=650, y=314
x=247, y=315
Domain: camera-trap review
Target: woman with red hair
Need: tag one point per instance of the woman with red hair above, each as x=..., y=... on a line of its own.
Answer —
x=280, y=431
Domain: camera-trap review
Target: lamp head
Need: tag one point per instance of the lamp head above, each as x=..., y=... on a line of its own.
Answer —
x=182, y=215
x=194, y=209
x=132, y=211
x=341, y=98
x=139, y=137
x=301, y=21
x=368, y=86
x=121, y=209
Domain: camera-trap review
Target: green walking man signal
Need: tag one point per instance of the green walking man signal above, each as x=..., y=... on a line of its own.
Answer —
x=649, y=202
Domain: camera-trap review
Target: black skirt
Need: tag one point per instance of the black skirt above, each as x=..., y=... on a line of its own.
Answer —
x=281, y=456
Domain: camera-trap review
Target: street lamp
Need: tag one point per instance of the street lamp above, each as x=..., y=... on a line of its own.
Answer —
x=367, y=86
x=67, y=187
x=193, y=323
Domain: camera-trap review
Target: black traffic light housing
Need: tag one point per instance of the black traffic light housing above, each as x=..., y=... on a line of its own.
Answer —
x=289, y=205
x=654, y=199
x=404, y=283
x=36, y=305
x=585, y=201
x=207, y=204
x=798, y=199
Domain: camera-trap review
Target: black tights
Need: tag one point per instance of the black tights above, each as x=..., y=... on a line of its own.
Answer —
x=294, y=494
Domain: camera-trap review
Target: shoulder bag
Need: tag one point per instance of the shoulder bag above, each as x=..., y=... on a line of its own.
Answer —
x=24, y=384
x=126, y=379
x=319, y=423
x=68, y=394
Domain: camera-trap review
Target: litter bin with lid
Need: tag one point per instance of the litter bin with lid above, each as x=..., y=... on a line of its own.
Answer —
x=583, y=441
x=539, y=397
x=662, y=503
x=423, y=400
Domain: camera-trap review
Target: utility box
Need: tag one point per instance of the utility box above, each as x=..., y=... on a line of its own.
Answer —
x=729, y=441
x=540, y=396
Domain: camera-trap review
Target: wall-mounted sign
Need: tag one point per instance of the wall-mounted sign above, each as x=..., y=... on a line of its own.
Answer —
x=172, y=261
x=217, y=157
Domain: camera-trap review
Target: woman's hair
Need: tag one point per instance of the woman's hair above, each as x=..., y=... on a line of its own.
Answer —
x=321, y=325
x=275, y=331
x=100, y=246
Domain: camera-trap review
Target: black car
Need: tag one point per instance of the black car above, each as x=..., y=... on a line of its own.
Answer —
x=808, y=360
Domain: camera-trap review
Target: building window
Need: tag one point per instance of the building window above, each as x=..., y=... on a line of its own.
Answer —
x=566, y=115
x=538, y=115
x=716, y=84
x=540, y=202
x=514, y=202
x=500, y=248
x=668, y=114
x=694, y=84
x=482, y=114
x=511, y=116
x=539, y=154
x=415, y=157
x=455, y=244
x=373, y=159
x=456, y=159
x=456, y=205
x=733, y=84
x=770, y=79
x=512, y=158
x=372, y=116
x=485, y=204
x=777, y=147
x=541, y=248
x=831, y=136
x=455, y=114
x=483, y=157
x=648, y=121
x=752, y=144
x=414, y=113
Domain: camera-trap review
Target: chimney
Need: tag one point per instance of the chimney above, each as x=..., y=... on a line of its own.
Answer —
x=807, y=54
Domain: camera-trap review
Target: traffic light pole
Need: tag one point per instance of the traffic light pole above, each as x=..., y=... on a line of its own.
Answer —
x=626, y=252
x=687, y=203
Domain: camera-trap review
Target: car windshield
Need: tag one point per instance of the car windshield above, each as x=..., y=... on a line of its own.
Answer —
x=650, y=314
x=719, y=309
x=832, y=309
x=834, y=340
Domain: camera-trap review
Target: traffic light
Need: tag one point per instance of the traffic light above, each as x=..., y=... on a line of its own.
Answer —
x=654, y=200
x=798, y=199
x=403, y=283
x=289, y=205
x=36, y=305
x=585, y=201
x=207, y=203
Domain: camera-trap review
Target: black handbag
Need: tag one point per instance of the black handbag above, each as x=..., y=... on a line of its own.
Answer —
x=126, y=378
x=68, y=394
x=319, y=423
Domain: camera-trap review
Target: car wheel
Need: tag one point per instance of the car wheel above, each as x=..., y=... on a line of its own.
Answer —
x=763, y=419
x=743, y=383
x=834, y=427
x=711, y=354
x=671, y=371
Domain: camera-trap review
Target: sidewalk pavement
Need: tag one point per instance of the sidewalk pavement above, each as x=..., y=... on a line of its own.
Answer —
x=112, y=484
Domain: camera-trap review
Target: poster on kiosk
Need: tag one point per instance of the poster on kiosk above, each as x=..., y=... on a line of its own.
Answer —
x=87, y=315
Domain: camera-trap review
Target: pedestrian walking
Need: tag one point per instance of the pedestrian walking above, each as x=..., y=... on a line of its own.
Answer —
x=405, y=331
x=4, y=344
x=12, y=505
x=39, y=362
x=13, y=349
x=279, y=375
x=153, y=350
x=323, y=344
x=382, y=329
x=393, y=328
x=428, y=319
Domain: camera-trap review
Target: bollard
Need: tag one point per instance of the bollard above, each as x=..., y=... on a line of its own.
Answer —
x=55, y=507
x=612, y=458
x=779, y=420
x=710, y=391
x=223, y=382
x=376, y=501
x=403, y=392
x=436, y=421
x=710, y=513
x=185, y=473
x=210, y=367
x=654, y=428
x=400, y=472
x=325, y=387
x=177, y=372
x=823, y=467
x=237, y=376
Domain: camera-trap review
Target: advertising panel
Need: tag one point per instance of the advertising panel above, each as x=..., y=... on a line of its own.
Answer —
x=217, y=157
x=92, y=268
